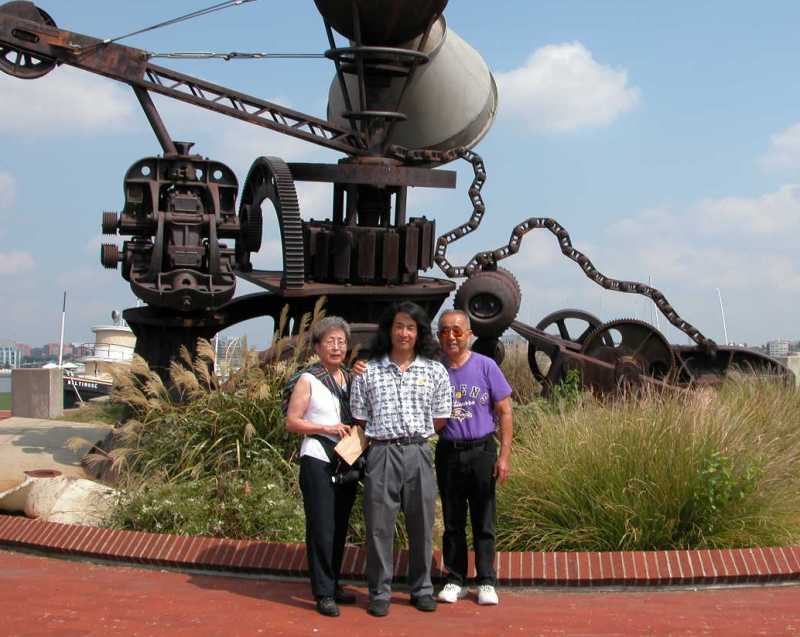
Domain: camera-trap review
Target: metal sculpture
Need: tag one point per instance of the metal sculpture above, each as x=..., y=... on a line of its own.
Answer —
x=186, y=243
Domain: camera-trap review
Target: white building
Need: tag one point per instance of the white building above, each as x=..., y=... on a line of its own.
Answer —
x=10, y=356
x=778, y=348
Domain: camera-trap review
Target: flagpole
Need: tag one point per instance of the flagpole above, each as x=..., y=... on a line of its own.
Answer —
x=722, y=311
x=61, y=341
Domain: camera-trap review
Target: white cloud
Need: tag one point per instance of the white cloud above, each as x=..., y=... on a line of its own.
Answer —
x=64, y=102
x=784, y=151
x=7, y=190
x=92, y=246
x=540, y=249
x=562, y=87
x=737, y=242
x=15, y=262
x=775, y=213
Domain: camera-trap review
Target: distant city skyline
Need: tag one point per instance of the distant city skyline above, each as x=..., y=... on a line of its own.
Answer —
x=664, y=136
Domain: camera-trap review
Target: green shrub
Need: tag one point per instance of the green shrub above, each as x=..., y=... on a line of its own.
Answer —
x=105, y=412
x=690, y=469
x=265, y=504
x=568, y=391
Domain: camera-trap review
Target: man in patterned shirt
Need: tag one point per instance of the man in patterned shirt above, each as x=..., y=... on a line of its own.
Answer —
x=402, y=398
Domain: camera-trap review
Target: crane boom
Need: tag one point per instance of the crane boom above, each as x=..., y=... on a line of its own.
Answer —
x=35, y=40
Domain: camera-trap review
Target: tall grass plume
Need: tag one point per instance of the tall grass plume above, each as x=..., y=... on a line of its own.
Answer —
x=704, y=468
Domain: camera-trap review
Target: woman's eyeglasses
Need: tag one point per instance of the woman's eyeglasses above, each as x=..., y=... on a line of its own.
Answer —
x=338, y=343
x=455, y=330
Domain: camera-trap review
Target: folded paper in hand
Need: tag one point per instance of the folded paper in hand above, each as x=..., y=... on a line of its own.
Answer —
x=352, y=445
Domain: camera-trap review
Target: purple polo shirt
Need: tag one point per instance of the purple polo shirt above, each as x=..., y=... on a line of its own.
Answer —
x=476, y=387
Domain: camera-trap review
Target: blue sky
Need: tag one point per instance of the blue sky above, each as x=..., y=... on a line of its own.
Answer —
x=664, y=136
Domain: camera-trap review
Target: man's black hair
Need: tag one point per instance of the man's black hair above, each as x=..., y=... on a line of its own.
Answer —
x=426, y=345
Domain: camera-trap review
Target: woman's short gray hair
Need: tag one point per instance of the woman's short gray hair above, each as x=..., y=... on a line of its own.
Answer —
x=322, y=327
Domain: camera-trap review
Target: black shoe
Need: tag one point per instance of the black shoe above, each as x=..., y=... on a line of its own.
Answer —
x=327, y=606
x=344, y=597
x=378, y=607
x=425, y=603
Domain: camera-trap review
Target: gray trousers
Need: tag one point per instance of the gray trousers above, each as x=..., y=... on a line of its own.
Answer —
x=399, y=477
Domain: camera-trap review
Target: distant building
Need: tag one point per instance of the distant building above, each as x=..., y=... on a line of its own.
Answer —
x=24, y=350
x=51, y=350
x=9, y=354
x=779, y=348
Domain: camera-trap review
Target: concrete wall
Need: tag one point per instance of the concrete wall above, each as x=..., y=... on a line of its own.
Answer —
x=37, y=393
x=793, y=363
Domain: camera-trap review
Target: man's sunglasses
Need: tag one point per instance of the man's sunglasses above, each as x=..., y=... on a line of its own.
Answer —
x=455, y=330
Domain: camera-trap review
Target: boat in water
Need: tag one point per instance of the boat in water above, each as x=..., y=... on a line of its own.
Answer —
x=112, y=348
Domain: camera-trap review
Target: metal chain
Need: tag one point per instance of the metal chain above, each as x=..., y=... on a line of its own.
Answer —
x=489, y=258
x=478, y=209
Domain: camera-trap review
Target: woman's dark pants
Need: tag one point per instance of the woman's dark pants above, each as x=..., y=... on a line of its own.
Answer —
x=327, y=508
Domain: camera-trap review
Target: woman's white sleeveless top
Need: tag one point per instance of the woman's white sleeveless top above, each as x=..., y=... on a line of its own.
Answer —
x=323, y=409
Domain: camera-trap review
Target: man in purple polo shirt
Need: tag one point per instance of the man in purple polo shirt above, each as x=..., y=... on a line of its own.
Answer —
x=468, y=465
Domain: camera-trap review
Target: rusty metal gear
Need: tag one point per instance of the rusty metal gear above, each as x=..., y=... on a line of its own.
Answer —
x=252, y=224
x=270, y=179
x=17, y=62
x=109, y=255
x=635, y=348
x=538, y=358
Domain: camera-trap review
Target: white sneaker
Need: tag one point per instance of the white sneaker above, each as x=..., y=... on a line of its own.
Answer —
x=451, y=593
x=487, y=595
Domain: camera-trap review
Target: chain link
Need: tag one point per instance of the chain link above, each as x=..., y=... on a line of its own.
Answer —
x=489, y=258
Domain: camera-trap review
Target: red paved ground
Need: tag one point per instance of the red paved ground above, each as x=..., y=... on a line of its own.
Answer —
x=60, y=598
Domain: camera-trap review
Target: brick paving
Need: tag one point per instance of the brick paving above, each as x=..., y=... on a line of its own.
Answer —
x=635, y=568
x=46, y=596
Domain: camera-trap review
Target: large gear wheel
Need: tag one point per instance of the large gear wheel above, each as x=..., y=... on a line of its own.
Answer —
x=573, y=326
x=22, y=64
x=270, y=179
x=635, y=348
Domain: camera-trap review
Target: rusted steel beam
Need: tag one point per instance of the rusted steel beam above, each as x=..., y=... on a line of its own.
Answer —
x=383, y=174
x=156, y=123
x=130, y=66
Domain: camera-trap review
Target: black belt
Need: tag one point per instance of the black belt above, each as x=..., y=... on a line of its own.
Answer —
x=466, y=444
x=405, y=440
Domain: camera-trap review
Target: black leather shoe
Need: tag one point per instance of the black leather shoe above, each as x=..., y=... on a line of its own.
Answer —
x=378, y=607
x=344, y=597
x=425, y=603
x=327, y=606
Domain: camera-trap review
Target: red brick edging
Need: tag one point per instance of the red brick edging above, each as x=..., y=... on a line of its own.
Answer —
x=636, y=568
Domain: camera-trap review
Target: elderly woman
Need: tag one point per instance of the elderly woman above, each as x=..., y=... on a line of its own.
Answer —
x=319, y=408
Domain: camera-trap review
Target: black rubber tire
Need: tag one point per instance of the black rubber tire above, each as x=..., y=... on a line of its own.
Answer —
x=491, y=347
x=491, y=299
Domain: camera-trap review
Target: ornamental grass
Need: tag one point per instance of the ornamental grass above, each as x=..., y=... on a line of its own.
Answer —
x=689, y=469
x=204, y=457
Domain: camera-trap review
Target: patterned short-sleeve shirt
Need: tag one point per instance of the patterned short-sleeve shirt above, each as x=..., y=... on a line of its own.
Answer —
x=394, y=404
